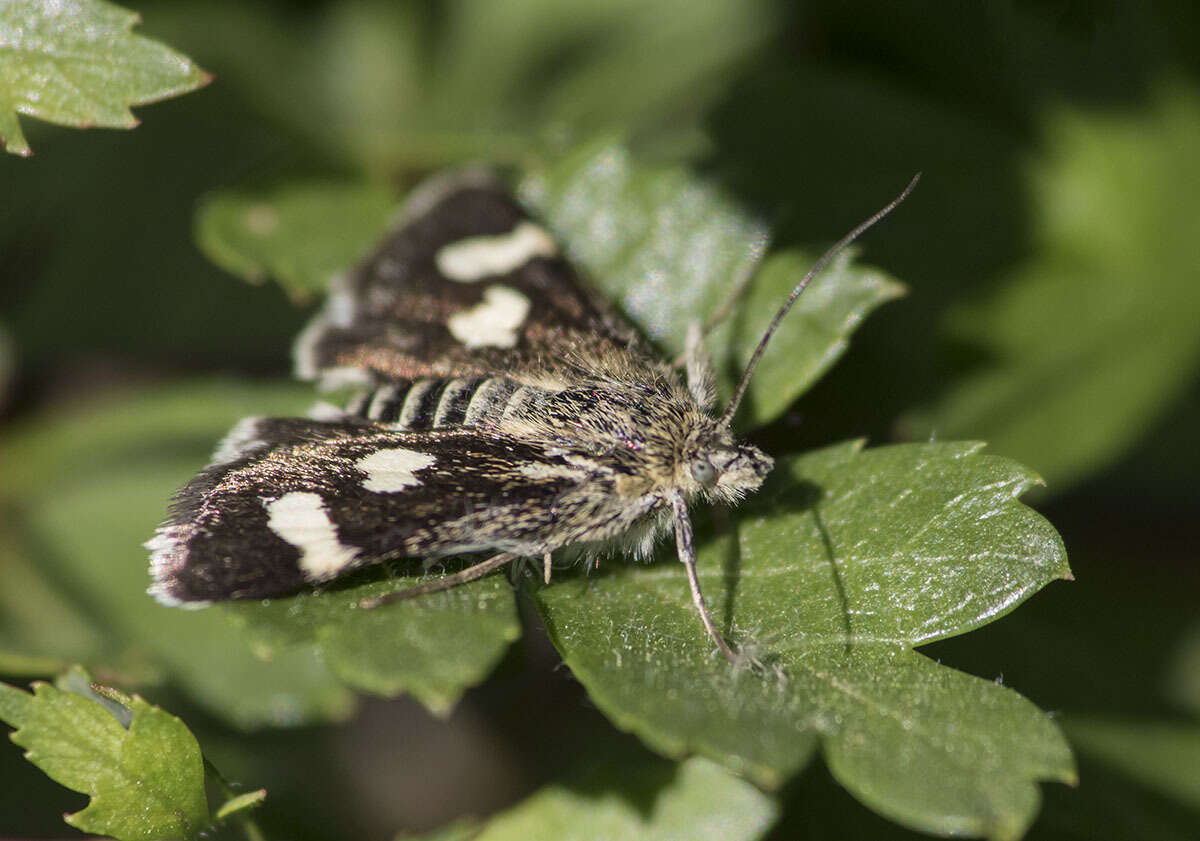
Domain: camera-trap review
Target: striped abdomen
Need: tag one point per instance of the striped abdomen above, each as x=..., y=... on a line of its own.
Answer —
x=438, y=404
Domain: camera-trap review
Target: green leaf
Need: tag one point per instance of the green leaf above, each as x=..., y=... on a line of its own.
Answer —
x=670, y=250
x=649, y=801
x=666, y=248
x=299, y=234
x=145, y=782
x=433, y=648
x=76, y=63
x=1095, y=336
x=840, y=565
x=85, y=517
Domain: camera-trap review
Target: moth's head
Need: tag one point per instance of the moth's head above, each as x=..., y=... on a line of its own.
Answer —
x=723, y=469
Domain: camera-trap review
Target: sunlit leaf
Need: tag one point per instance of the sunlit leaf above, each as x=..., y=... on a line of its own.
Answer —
x=76, y=63
x=846, y=561
x=145, y=778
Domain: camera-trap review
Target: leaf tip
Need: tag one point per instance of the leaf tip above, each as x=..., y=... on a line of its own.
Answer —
x=889, y=289
x=16, y=146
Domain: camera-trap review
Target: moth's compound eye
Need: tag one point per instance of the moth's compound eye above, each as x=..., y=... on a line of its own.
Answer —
x=703, y=471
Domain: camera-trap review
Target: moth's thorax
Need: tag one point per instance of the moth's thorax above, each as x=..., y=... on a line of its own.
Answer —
x=642, y=426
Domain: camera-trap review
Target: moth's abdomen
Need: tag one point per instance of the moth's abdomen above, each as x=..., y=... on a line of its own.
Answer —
x=436, y=403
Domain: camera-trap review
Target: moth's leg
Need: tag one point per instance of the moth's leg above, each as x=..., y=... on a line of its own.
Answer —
x=546, y=566
x=687, y=554
x=469, y=574
x=699, y=367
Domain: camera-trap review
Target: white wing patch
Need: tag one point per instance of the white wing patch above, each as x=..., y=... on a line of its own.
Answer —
x=493, y=322
x=389, y=471
x=302, y=520
x=470, y=260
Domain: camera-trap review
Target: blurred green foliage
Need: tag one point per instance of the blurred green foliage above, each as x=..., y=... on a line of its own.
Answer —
x=1053, y=281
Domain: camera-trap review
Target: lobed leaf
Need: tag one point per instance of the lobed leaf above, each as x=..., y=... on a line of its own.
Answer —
x=145, y=780
x=844, y=561
x=77, y=63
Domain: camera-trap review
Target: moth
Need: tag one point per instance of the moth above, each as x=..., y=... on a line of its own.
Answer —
x=501, y=408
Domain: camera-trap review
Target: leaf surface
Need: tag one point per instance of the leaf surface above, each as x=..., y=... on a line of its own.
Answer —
x=843, y=562
x=77, y=63
x=146, y=780
x=433, y=648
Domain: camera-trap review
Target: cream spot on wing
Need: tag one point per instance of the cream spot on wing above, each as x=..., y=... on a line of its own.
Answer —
x=389, y=471
x=473, y=259
x=493, y=322
x=303, y=521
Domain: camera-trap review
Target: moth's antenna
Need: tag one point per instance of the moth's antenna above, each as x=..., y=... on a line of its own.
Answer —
x=817, y=268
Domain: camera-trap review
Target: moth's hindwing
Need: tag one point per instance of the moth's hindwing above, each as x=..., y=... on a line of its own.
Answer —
x=298, y=502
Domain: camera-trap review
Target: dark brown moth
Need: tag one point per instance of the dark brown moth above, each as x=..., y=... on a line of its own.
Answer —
x=502, y=408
